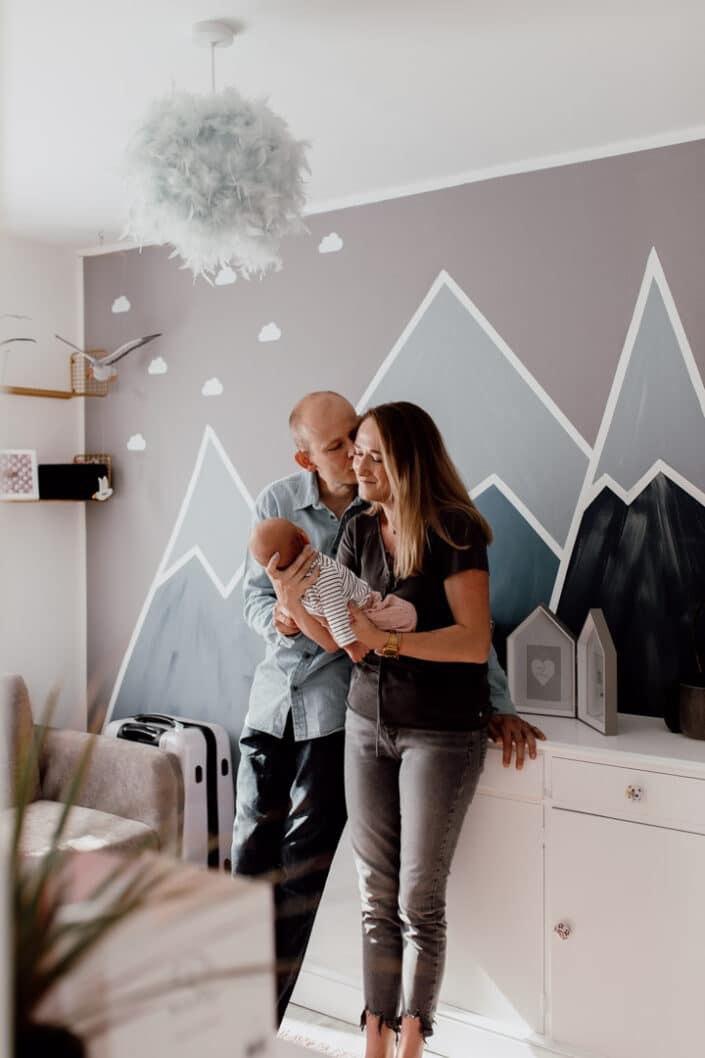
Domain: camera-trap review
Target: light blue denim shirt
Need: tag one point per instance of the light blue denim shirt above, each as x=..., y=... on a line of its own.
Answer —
x=296, y=673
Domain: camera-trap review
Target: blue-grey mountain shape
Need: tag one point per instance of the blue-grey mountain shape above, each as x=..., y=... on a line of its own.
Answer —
x=194, y=656
x=491, y=418
x=658, y=415
x=522, y=567
x=217, y=520
x=643, y=564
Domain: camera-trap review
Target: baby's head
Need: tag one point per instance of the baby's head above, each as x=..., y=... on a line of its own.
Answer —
x=277, y=534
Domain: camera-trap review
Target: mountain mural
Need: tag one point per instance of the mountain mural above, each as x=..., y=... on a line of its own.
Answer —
x=620, y=526
x=500, y=427
x=637, y=544
x=192, y=653
x=659, y=415
x=643, y=564
x=194, y=656
x=522, y=566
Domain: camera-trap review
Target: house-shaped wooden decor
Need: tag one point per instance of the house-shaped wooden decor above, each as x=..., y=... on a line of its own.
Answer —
x=597, y=675
x=541, y=665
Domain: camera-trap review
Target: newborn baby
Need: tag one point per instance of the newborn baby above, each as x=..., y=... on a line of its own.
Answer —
x=328, y=598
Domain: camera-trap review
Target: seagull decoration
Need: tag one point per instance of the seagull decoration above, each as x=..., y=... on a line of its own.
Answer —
x=15, y=316
x=102, y=367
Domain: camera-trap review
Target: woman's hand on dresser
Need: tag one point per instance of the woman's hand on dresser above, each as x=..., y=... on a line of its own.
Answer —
x=512, y=732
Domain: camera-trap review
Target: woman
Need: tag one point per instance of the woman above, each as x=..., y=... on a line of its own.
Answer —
x=416, y=728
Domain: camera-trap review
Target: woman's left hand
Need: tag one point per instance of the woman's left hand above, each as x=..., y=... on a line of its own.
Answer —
x=365, y=632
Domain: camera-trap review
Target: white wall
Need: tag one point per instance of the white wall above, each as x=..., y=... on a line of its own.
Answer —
x=42, y=545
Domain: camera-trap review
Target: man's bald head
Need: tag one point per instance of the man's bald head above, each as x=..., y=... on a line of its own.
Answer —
x=312, y=414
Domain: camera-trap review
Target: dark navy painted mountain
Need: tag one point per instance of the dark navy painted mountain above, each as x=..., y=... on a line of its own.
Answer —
x=522, y=567
x=194, y=656
x=643, y=564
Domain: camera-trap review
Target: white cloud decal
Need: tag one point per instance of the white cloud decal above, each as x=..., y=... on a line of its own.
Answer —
x=121, y=304
x=225, y=276
x=330, y=243
x=158, y=366
x=270, y=333
x=137, y=443
x=212, y=387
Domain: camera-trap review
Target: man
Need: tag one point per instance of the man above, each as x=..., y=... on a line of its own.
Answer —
x=290, y=795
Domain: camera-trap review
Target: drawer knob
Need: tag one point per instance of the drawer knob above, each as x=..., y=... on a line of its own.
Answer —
x=563, y=930
x=634, y=793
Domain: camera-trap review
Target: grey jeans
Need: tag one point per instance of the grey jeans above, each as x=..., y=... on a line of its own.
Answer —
x=407, y=792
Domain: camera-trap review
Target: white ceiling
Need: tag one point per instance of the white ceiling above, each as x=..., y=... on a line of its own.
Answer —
x=393, y=94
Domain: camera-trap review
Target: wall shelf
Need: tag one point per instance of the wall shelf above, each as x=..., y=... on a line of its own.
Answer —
x=59, y=394
x=91, y=500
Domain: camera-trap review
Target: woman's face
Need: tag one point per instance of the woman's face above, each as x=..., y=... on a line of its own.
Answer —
x=368, y=464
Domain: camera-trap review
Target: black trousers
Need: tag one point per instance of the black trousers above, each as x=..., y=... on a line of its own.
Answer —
x=290, y=815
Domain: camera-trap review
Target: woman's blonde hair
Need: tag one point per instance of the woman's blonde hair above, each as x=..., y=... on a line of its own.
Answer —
x=424, y=482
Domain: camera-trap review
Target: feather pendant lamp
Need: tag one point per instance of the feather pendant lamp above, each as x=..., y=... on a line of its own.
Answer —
x=218, y=177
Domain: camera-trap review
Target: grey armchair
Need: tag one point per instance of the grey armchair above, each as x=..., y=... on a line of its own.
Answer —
x=132, y=796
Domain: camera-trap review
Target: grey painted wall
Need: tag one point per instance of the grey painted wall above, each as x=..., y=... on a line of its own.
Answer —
x=553, y=261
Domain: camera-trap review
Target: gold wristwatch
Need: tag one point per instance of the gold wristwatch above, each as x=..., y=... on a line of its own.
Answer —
x=391, y=647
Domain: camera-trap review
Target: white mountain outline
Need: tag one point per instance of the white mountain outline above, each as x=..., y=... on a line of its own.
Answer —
x=165, y=571
x=659, y=466
x=653, y=273
x=444, y=279
x=527, y=515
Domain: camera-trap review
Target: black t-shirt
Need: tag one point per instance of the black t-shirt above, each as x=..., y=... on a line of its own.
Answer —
x=440, y=695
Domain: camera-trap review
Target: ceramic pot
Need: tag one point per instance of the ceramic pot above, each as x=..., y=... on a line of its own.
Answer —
x=692, y=709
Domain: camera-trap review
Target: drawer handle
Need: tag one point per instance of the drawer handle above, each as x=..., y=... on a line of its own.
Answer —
x=563, y=930
x=634, y=793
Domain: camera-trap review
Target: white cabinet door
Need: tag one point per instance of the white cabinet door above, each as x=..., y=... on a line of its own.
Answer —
x=495, y=913
x=627, y=979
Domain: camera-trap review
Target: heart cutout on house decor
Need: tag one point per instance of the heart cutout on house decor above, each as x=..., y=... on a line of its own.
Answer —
x=543, y=671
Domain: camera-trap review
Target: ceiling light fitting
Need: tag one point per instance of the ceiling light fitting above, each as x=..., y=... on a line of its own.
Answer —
x=218, y=177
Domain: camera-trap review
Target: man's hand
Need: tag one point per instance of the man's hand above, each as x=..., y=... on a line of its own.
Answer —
x=291, y=583
x=283, y=621
x=511, y=731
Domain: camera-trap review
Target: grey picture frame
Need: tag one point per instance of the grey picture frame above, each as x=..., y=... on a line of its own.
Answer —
x=541, y=665
x=597, y=675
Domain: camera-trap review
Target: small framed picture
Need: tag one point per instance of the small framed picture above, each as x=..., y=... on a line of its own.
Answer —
x=541, y=665
x=18, y=474
x=597, y=675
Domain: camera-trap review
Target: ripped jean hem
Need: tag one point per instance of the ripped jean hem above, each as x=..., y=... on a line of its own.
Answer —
x=393, y=1023
x=425, y=1021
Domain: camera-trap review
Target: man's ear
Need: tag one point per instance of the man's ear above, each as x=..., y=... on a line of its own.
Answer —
x=304, y=461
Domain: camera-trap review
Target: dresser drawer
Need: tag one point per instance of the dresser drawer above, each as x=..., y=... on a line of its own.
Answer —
x=628, y=793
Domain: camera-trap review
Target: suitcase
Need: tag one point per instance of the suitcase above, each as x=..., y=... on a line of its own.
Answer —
x=189, y=745
x=219, y=786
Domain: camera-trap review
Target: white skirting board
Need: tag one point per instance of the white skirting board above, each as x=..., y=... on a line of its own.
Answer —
x=457, y=1033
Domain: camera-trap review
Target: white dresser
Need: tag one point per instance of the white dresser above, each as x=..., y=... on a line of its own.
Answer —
x=576, y=905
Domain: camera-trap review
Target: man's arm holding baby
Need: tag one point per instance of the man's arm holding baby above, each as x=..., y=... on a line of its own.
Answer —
x=289, y=585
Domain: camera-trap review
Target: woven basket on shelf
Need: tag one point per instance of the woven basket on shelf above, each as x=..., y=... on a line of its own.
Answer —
x=81, y=382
